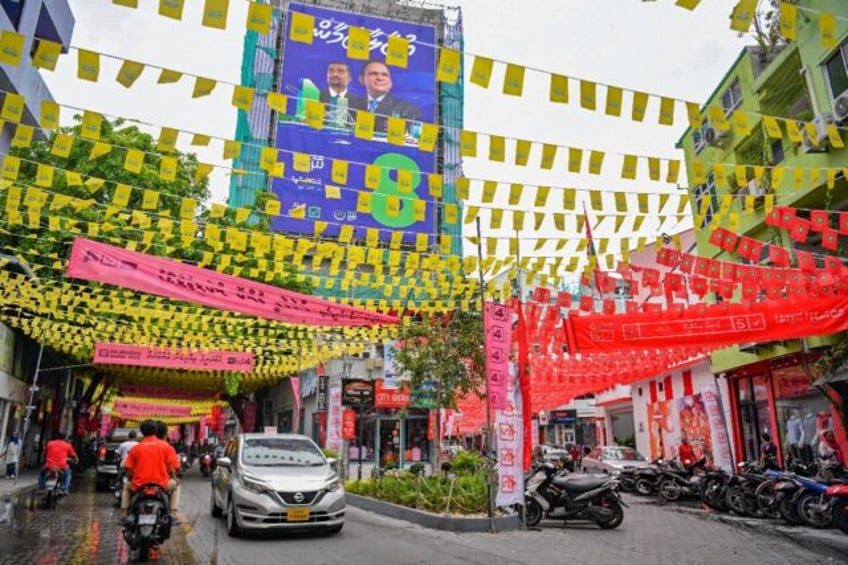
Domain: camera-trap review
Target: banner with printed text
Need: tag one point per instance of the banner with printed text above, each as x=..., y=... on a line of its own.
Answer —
x=335, y=424
x=140, y=356
x=509, y=437
x=497, y=324
x=323, y=72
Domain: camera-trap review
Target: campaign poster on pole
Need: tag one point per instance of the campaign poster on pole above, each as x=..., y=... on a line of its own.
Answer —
x=334, y=420
x=497, y=324
x=509, y=434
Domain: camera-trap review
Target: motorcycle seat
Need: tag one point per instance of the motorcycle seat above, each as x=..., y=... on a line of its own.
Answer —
x=580, y=483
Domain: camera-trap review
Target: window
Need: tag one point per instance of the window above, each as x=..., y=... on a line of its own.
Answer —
x=777, y=152
x=698, y=137
x=732, y=97
x=701, y=191
x=417, y=445
x=837, y=72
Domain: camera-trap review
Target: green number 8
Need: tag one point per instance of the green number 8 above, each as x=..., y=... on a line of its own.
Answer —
x=388, y=187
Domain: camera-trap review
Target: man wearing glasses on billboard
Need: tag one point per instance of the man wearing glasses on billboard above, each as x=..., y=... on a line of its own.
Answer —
x=377, y=80
x=337, y=96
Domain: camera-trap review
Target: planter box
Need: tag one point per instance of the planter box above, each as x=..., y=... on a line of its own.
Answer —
x=434, y=521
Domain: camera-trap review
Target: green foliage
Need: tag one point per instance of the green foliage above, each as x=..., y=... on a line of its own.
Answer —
x=329, y=453
x=434, y=494
x=417, y=468
x=467, y=463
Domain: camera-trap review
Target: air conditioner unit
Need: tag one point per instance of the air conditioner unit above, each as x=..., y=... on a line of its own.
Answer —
x=822, y=141
x=840, y=108
x=716, y=137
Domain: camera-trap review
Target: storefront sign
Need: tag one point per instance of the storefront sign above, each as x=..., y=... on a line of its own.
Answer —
x=391, y=397
x=431, y=426
x=358, y=393
x=323, y=383
x=349, y=424
x=565, y=417
x=497, y=322
x=509, y=437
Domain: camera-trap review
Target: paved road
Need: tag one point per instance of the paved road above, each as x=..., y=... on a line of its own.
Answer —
x=649, y=534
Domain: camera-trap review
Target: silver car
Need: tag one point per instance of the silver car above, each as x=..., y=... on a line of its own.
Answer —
x=611, y=459
x=269, y=482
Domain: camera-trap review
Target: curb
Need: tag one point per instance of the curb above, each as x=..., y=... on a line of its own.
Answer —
x=434, y=521
x=800, y=535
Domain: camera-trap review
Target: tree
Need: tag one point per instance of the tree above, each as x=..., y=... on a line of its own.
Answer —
x=443, y=355
x=99, y=207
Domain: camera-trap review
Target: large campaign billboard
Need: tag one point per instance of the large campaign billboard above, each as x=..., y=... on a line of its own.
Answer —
x=323, y=72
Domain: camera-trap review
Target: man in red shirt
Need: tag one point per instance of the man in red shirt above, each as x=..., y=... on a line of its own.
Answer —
x=173, y=463
x=687, y=454
x=57, y=452
x=148, y=462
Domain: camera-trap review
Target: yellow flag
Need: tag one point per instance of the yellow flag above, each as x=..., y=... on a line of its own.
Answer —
x=515, y=192
x=742, y=15
x=232, y=149
x=11, y=47
x=11, y=167
x=788, y=20
x=513, y=80
x=49, y=115
x=202, y=171
x=481, y=71
x=259, y=18
x=91, y=122
x=332, y=192
x=302, y=27
x=541, y=196
x=397, y=51
x=242, y=214
x=559, y=89
x=358, y=43
x=188, y=208
x=149, y=200
x=688, y=4
x=168, y=76
x=122, y=195
x=93, y=184
x=628, y=167
x=13, y=107
x=215, y=13
x=88, y=65
x=168, y=168
x=673, y=171
x=693, y=114
x=497, y=148
x=827, y=29
x=396, y=131
x=429, y=137
x=666, y=111
x=200, y=140
x=640, y=102
x=134, y=160
x=268, y=157
x=203, y=87
x=44, y=175
x=654, y=168
x=372, y=176
x=46, y=54
x=243, y=97
x=549, y=152
x=62, y=145
x=772, y=127
x=277, y=102
x=793, y=131
x=613, y=107
x=301, y=162
x=171, y=8
x=777, y=177
x=468, y=143
x=575, y=159
x=522, y=152
x=363, y=202
x=740, y=123
x=718, y=118
x=835, y=137
x=99, y=149
x=596, y=162
x=435, y=185
x=490, y=187
x=450, y=62
x=588, y=95
x=73, y=178
x=364, y=128
x=129, y=73
x=167, y=140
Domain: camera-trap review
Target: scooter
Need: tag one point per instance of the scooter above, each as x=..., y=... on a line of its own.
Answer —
x=647, y=477
x=54, y=488
x=839, y=506
x=713, y=486
x=555, y=494
x=148, y=522
x=741, y=491
x=206, y=465
x=674, y=484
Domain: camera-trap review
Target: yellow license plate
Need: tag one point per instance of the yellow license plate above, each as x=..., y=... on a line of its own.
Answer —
x=297, y=514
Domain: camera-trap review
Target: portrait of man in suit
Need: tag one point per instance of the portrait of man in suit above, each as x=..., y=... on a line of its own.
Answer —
x=376, y=77
x=337, y=96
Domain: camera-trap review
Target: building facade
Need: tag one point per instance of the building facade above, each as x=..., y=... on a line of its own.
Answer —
x=738, y=169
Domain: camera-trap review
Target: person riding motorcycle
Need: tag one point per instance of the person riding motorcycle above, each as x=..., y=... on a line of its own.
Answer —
x=174, y=463
x=148, y=462
x=57, y=452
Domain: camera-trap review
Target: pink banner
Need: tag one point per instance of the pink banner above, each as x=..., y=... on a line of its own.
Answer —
x=140, y=356
x=126, y=409
x=497, y=323
x=164, y=392
x=95, y=261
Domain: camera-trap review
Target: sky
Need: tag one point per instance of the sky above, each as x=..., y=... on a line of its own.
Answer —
x=655, y=47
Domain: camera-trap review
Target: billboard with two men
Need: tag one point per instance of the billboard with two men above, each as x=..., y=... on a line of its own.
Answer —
x=322, y=71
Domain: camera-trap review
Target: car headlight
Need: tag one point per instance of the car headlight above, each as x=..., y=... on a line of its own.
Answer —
x=334, y=484
x=254, y=485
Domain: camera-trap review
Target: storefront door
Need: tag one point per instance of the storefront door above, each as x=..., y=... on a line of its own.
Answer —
x=754, y=420
x=388, y=446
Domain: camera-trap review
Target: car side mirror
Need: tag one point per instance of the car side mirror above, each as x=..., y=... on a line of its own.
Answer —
x=224, y=462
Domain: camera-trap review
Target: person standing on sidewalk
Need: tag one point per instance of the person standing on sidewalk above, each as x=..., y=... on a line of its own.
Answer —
x=12, y=453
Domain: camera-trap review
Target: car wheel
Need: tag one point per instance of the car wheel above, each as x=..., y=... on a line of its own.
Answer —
x=214, y=509
x=233, y=529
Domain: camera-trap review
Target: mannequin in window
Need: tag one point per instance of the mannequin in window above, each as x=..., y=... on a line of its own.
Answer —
x=809, y=439
x=794, y=433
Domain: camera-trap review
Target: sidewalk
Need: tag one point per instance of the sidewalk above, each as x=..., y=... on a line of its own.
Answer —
x=25, y=482
x=807, y=537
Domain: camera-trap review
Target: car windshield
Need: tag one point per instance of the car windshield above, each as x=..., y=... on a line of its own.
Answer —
x=276, y=452
x=622, y=454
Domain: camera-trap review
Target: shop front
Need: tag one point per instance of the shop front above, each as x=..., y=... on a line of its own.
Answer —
x=777, y=397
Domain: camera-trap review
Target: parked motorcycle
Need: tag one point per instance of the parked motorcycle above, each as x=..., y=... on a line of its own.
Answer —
x=627, y=478
x=555, y=494
x=206, y=465
x=839, y=506
x=149, y=523
x=713, y=489
x=678, y=481
x=811, y=502
x=647, y=477
x=741, y=491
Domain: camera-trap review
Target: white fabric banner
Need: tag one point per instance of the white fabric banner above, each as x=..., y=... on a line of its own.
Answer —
x=334, y=420
x=509, y=435
x=718, y=430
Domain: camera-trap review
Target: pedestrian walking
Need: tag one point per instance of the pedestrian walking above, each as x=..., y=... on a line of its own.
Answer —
x=12, y=453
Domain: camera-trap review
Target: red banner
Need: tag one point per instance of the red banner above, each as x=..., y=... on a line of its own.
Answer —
x=140, y=356
x=387, y=397
x=711, y=326
x=349, y=424
x=95, y=261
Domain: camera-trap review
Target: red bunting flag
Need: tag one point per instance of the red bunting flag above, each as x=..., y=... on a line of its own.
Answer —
x=830, y=239
x=799, y=229
x=564, y=299
x=806, y=261
x=786, y=217
x=820, y=220
x=843, y=223
x=778, y=256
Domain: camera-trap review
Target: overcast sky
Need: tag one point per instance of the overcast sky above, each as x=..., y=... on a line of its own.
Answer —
x=651, y=46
